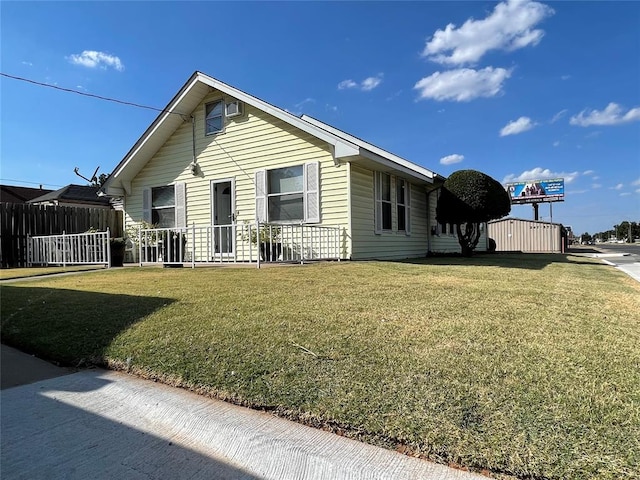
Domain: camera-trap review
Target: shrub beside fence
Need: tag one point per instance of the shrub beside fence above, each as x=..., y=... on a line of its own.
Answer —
x=21, y=221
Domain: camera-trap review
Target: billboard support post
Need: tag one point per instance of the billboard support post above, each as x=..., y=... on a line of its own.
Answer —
x=551, y=224
x=535, y=211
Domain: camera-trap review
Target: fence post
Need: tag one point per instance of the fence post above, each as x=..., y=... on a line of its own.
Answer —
x=29, y=252
x=140, y=246
x=108, y=247
x=302, y=244
x=64, y=251
x=193, y=245
x=258, y=242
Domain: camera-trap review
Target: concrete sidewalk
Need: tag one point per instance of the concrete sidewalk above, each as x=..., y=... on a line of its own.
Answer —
x=101, y=424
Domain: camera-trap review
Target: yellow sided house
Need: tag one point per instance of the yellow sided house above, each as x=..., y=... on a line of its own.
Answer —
x=222, y=176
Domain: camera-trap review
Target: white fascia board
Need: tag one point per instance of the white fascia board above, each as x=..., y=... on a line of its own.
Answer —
x=158, y=123
x=411, y=172
x=114, y=192
x=410, y=166
x=342, y=147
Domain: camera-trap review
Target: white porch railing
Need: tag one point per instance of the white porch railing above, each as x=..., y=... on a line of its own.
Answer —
x=69, y=249
x=244, y=243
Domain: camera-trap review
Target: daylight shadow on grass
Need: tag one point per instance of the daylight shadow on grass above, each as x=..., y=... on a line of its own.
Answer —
x=70, y=327
x=527, y=261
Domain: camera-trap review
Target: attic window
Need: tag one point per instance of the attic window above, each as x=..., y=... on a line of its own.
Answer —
x=214, y=117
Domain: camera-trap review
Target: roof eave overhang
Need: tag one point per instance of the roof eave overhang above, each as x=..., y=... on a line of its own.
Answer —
x=371, y=152
x=396, y=168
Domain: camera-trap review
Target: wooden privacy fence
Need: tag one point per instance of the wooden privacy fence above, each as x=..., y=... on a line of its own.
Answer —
x=20, y=221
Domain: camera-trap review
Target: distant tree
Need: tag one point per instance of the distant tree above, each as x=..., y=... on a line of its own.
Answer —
x=99, y=181
x=468, y=199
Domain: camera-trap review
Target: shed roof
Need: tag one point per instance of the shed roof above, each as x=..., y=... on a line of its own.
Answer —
x=512, y=219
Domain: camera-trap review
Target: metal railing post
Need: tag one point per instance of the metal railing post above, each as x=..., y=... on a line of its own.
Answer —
x=193, y=245
x=64, y=251
x=29, y=252
x=258, y=242
x=108, y=247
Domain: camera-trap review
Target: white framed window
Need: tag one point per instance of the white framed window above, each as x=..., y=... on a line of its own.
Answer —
x=165, y=206
x=214, y=117
x=383, y=202
x=392, y=195
x=288, y=194
x=285, y=194
x=403, y=205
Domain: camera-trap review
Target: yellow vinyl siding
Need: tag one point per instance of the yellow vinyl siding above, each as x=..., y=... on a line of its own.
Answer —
x=254, y=141
x=388, y=244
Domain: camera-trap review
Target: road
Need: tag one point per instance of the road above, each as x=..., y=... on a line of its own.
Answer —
x=633, y=250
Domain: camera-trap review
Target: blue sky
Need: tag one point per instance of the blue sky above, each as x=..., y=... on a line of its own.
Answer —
x=519, y=90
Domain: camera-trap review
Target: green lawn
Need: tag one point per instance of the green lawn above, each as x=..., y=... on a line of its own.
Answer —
x=11, y=273
x=524, y=365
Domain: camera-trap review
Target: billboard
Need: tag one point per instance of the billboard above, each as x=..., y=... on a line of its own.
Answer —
x=536, y=191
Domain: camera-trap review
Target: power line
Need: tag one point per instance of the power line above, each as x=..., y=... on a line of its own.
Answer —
x=99, y=97
x=32, y=183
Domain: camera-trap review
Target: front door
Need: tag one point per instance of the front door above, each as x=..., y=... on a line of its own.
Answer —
x=223, y=215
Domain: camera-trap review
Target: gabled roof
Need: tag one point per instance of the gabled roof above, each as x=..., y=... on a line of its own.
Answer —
x=85, y=194
x=15, y=194
x=181, y=106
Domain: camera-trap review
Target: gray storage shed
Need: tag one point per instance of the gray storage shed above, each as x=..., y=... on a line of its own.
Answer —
x=516, y=234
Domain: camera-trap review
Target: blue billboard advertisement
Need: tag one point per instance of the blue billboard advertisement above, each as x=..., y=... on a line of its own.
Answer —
x=536, y=191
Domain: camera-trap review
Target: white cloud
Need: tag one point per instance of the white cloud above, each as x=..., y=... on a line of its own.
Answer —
x=463, y=84
x=618, y=187
x=366, y=85
x=556, y=143
x=559, y=115
x=451, y=159
x=611, y=115
x=304, y=102
x=509, y=27
x=635, y=183
x=394, y=95
x=595, y=177
x=624, y=194
x=565, y=77
x=596, y=185
x=588, y=172
x=93, y=59
x=28, y=64
x=517, y=126
x=347, y=84
x=370, y=83
x=539, y=173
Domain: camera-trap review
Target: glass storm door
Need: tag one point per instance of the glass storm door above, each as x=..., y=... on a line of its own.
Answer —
x=223, y=215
